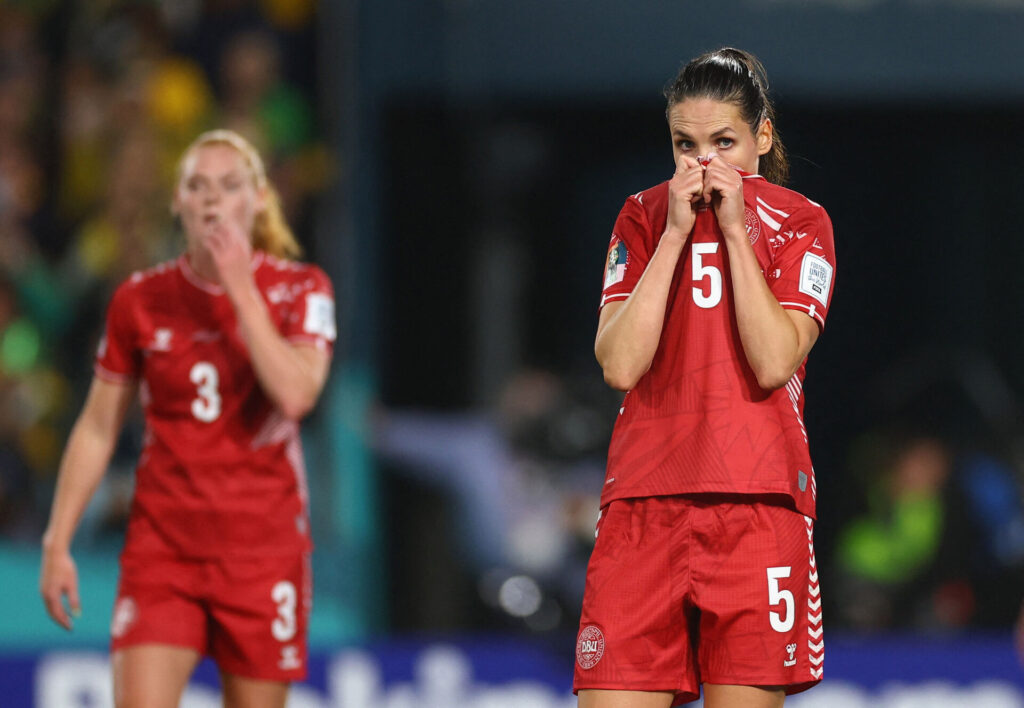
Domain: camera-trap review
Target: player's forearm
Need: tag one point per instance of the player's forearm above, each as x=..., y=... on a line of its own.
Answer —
x=82, y=467
x=284, y=374
x=771, y=341
x=626, y=345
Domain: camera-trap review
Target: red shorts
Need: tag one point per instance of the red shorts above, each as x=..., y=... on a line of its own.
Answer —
x=249, y=615
x=711, y=588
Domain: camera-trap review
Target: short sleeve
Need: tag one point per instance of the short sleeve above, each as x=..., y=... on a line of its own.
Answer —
x=117, y=357
x=627, y=255
x=802, y=275
x=312, y=321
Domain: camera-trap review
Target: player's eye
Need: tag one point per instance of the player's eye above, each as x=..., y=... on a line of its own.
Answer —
x=684, y=145
x=726, y=142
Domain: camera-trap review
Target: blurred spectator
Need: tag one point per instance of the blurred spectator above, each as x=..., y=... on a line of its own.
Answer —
x=259, y=103
x=130, y=230
x=990, y=492
x=30, y=398
x=903, y=563
x=518, y=480
x=16, y=517
x=257, y=100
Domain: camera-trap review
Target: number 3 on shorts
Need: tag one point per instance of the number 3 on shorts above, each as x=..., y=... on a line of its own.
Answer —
x=781, y=622
x=284, y=596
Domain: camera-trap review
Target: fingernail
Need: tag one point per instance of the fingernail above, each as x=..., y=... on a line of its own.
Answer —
x=76, y=613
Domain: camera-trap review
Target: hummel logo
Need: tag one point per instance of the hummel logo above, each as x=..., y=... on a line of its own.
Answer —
x=161, y=340
x=791, y=650
x=289, y=658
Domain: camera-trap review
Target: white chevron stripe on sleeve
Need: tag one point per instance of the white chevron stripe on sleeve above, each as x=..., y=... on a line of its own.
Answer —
x=765, y=204
x=768, y=219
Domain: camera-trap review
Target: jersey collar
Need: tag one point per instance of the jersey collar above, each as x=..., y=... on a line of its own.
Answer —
x=205, y=285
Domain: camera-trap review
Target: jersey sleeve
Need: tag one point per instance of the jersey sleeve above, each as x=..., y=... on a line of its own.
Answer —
x=627, y=255
x=802, y=274
x=313, y=319
x=118, y=359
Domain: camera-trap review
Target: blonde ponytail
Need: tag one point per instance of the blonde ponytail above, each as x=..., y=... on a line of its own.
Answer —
x=271, y=232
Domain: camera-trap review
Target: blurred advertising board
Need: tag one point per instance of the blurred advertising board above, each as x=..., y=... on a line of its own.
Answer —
x=502, y=672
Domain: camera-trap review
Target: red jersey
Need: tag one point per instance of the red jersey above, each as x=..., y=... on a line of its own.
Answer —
x=698, y=421
x=221, y=471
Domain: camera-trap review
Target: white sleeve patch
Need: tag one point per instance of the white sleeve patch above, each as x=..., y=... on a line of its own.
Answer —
x=816, y=277
x=320, y=316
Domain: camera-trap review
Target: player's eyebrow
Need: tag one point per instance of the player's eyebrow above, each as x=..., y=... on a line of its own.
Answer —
x=229, y=174
x=679, y=133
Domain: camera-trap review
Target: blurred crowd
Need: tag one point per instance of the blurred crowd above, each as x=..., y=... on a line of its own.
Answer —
x=929, y=536
x=932, y=530
x=939, y=545
x=97, y=102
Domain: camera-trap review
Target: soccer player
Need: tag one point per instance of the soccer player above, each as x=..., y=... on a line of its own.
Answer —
x=228, y=347
x=716, y=286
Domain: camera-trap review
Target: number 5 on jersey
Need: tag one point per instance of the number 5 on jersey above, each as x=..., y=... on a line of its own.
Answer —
x=709, y=272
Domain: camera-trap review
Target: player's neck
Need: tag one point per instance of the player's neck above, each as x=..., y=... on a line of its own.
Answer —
x=202, y=265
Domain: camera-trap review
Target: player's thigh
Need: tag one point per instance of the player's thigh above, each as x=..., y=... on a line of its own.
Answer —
x=726, y=696
x=599, y=698
x=152, y=675
x=242, y=692
x=259, y=610
x=760, y=621
x=636, y=629
x=159, y=602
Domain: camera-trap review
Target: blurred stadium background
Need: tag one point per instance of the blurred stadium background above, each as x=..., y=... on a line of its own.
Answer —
x=456, y=166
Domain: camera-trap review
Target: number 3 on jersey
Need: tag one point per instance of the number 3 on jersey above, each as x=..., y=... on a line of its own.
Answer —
x=710, y=272
x=206, y=405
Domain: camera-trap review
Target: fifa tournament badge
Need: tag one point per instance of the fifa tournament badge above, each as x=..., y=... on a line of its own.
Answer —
x=617, y=259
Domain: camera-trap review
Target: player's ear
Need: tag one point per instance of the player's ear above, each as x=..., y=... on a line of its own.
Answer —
x=764, y=136
x=262, y=195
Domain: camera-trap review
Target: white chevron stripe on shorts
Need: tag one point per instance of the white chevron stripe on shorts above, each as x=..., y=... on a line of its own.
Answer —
x=815, y=642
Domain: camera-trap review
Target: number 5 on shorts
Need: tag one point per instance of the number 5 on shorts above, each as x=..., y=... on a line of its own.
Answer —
x=780, y=622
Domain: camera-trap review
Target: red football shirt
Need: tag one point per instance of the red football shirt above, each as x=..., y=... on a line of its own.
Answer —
x=221, y=470
x=697, y=421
